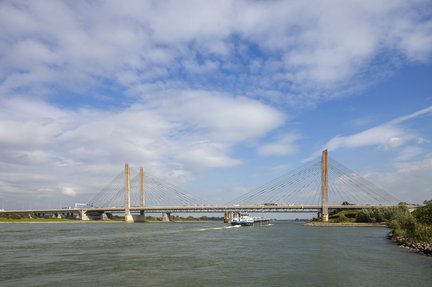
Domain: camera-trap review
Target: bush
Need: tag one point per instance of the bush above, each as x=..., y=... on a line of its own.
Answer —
x=375, y=215
x=424, y=214
x=364, y=216
x=422, y=232
x=342, y=218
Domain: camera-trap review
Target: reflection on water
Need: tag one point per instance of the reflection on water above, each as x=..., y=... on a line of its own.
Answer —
x=204, y=254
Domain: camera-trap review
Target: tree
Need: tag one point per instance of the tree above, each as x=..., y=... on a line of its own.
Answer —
x=424, y=214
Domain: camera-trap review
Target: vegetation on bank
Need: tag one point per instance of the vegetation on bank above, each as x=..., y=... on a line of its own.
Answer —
x=174, y=218
x=37, y=219
x=416, y=225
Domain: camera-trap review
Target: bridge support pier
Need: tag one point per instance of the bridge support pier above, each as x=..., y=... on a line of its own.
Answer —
x=129, y=218
x=128, y=215
x=139, y=217
x=166, y=217
x=229, y=215
x=83, y=215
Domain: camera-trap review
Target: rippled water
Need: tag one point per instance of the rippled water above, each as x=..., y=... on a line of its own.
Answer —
x=204, y=254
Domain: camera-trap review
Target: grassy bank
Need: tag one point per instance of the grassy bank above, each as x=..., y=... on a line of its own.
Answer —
x=24, y=220
x=416, y=225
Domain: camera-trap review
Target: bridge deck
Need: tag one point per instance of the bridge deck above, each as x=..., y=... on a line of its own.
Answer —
x=205, y=208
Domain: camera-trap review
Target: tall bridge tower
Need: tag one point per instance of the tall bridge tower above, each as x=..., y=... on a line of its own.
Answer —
x=324, y=186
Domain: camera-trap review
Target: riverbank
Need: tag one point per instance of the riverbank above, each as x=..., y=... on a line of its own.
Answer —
x=59, y=222
x=421, y=247
x=64, y=220
x=344, y=224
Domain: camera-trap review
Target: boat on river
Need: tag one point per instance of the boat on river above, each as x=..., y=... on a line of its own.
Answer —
x=246, y=220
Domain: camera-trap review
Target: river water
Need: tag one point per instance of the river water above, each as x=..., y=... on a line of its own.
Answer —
x=204, y=254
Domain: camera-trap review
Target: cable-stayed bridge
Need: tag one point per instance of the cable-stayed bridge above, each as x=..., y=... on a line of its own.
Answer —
x=316, y=186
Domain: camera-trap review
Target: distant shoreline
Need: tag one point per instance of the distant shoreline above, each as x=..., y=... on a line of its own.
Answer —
x=49, y=221
x=19, y=221
x=344, y=224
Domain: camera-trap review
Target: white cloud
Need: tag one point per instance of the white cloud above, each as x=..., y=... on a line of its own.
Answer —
x=208, y=155
x=157, y=62
x=173, y=133
x=283, y=146
x=408, y=153
x=309, y=51
x=69, y=191
x=409, y=182
x=387, y=136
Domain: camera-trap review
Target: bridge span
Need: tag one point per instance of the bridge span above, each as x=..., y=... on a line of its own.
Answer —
x=136, y=212
x=315, y=187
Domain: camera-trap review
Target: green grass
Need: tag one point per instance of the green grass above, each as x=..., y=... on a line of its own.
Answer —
x=344, y=216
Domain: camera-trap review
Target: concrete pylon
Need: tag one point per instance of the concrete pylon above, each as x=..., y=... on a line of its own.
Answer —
x=128, y=216
x=324, y=187
x=228, y=216
x=83, y=215
x=142, y=198
x=166, y=217
x=141, y=216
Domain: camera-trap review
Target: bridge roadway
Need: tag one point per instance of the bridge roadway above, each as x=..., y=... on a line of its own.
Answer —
x=201, y=209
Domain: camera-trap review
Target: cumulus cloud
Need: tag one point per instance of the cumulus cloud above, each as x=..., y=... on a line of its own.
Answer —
x=410, y=181
x=388, y=135
x=171, y=133
x=301, y=50
x=68, y=191
x=283, y=146
x=88, y=85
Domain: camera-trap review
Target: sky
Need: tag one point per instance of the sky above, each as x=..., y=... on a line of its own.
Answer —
x=216, y=97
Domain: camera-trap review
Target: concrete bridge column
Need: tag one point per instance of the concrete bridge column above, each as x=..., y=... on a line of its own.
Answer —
x=83, y=215
x=128, y=216
x=166, y=217
x=229, y=215
x=104, y=216
x=324, y=187
x=141, y=216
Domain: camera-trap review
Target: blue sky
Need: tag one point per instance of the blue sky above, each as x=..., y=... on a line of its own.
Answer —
x=216, y=97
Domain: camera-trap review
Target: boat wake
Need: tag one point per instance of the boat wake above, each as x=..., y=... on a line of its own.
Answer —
x=217, y=228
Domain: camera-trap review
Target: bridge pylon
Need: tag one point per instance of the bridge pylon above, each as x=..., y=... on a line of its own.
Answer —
x=141, y=216
x=128, y=216
x=324, y=186
x=142, y=198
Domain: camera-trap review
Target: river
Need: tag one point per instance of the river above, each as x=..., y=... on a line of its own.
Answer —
x=204, y=254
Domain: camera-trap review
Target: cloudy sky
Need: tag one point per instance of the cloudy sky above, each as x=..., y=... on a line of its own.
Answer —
x=214, y=96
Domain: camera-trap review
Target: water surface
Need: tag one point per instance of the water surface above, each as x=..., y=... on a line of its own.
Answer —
x=204, y=254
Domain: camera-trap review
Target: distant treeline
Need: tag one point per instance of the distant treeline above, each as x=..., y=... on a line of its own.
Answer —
x=188, y=218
